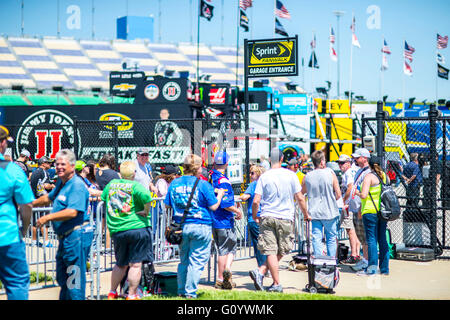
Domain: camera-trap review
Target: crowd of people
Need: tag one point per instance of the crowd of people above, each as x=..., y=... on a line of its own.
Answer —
x=209, y=209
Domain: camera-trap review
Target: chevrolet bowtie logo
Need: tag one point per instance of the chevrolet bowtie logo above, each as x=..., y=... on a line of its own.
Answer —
x=124, y=87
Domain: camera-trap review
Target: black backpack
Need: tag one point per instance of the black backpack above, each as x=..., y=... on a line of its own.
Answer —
x=390, y=206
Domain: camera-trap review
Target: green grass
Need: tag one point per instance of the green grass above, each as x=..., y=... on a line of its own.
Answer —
x=204, y=294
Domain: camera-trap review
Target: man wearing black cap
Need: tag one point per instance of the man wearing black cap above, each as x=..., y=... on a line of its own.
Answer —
x=40, y=185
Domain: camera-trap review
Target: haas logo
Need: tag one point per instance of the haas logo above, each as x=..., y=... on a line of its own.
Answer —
x=217, y=95
x=46, y=132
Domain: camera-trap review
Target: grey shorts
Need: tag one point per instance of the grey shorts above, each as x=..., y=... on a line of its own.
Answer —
x=276, y=236
x=359, y=229
x=226, y=241
x=346, y=221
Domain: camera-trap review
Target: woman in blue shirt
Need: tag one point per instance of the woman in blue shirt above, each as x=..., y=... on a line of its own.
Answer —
x=195, y=247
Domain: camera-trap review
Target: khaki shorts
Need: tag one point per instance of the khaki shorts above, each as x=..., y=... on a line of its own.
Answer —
x=359, y=229
x=276, y=236
x=347, y=220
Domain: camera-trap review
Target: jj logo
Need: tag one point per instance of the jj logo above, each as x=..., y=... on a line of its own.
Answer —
x=55, y=138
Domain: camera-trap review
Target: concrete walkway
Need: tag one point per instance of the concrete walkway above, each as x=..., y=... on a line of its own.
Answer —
x=407, y=280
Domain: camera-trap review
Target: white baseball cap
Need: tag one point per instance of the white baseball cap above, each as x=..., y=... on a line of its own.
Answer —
x=344, y=158
x=361, y=152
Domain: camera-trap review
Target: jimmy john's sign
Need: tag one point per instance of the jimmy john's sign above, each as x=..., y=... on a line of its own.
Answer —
x=272, y=57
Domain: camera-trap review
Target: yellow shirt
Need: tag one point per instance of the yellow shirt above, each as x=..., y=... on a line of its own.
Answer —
x=300, y=176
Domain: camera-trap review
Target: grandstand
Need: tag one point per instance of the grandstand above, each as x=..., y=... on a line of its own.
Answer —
x=58, y=71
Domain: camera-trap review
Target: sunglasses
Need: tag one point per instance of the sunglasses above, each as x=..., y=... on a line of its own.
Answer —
x=251, y=173
x=144, y=154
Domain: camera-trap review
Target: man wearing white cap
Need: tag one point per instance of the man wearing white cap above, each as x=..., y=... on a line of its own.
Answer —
x=349, y=170
x=144, y=170
x=22, y=161
x=361, y=157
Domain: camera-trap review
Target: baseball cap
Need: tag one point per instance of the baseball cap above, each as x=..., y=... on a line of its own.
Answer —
x=344, y=158
x=79, y=165
x=4, y=134
x=361, y=152
x=142, y=150
x=25, y=153
x=44, y=159
x=375, y=160
x=221, y=157
x=292, y=162
x=171, y=169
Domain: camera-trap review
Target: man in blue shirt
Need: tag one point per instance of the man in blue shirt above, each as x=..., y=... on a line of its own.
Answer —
x=223, y=224
x=70, y=200
x=413, y=178
x=14, y=187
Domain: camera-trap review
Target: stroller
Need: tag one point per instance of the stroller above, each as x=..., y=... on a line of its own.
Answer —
x=323, y=273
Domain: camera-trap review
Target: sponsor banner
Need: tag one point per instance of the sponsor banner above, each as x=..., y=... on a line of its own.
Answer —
x=157, y=90
x=235, y=170
x=272, y=57
x=125, y=83
x=216, y=95
x=45, y=131
x=337, y=106
x=293, y=104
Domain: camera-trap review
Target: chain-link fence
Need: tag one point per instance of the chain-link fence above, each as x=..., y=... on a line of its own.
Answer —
x=416, y=153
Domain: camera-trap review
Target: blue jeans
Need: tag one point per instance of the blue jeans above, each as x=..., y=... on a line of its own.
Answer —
x=71, y=267
x=331, y=231
x=195, y=250
x=14, y=272
x=88, y=237
x=376, y=234
x=253, y=230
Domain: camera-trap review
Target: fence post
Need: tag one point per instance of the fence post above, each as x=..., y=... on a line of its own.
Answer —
x=116, y=143
x=75, y=141
x=380, y=132
x=432, y=116
x=363, y=129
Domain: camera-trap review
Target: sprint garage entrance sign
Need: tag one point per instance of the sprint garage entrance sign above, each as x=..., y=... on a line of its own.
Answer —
x=272, y=57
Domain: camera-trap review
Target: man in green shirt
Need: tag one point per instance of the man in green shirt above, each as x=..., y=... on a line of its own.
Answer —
x=128, y=220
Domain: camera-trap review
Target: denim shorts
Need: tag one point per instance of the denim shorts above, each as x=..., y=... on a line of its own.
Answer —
x=133, y=246
x=225, y=240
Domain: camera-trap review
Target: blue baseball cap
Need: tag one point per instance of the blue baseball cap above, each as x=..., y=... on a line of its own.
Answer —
x=221, y=157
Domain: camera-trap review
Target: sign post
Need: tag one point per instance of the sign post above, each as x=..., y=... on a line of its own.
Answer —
x=267, y=58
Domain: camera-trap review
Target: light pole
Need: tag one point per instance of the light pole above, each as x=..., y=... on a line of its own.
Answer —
x=338, y=14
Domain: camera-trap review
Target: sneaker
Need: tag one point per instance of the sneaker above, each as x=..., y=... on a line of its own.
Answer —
x=133, y=297
x=257, y=279
x=361, y=265
x=227, y=283
x=48, y=244
x=275, y=288
x=350, y=260
x=218, y=284
x=112, y=295
x=369, y=271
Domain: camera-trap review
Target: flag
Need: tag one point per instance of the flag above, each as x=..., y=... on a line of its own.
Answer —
x=407, y=69
x=333, y=54
x=442, y=72
x=408, y=52
x=244, y=21
x=206, y=10
x=244, y=4
x=440, y=58
x=355, y=41
x=281, y=11
x=442, y=42
x=332, y=36
x=384, y=63
x=385, y=48
x=280, y=29
x=313, y=43
x=313, y=61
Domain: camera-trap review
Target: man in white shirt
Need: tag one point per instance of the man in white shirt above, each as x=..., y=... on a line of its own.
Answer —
x=144, y=171
x=275, y=193
x=349, y=170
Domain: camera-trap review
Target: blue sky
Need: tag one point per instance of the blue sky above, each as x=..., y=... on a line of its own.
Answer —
x=415, y=21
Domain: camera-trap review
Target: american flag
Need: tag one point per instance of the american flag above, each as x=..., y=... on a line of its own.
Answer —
x=386, y=48
x=352, y=27
x=442, y=42
x=333, y=54
x=281, y=11
x=244, y=4
x=407, y=69
x=313, y=43
x=332, y=36
x=408, y=52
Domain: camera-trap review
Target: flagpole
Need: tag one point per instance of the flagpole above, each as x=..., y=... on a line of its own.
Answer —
x=329, y=58
x=382, y=73
x=351, y=67
x=403, y=79
x=198, y=43
x=274, y=20
x=313, y=65
x=237, y=43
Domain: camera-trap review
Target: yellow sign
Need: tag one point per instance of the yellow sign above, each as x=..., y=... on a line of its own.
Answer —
x=126, y=124
x=337, y=106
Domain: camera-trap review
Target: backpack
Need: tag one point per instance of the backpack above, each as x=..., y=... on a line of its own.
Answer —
x=390, y=206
